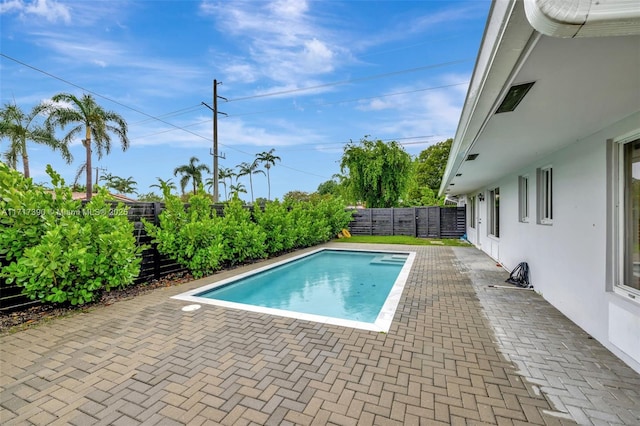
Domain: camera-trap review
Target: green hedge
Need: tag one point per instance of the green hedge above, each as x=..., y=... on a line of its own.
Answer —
x=199, y=240
x=59, y=250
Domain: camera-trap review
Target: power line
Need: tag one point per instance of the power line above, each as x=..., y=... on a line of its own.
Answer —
x=312, y=105
x=99, y=95
x=138, y=111
x=353, y=80
x=172, y=113
x=349, y=100
x=313, y=146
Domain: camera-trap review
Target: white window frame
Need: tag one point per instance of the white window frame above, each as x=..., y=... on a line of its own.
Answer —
x=545, y=195
x=620, y=218
x=523, y=198
x=493, y=228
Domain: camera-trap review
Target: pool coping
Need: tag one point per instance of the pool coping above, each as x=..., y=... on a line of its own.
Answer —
x=381, y=324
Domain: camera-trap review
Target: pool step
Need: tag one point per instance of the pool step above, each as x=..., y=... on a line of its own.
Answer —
x=389, y=259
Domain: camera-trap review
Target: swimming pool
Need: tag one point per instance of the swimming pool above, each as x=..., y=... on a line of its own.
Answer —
x=352, y=288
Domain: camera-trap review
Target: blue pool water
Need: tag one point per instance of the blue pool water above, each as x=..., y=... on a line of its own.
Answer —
x=351, y=285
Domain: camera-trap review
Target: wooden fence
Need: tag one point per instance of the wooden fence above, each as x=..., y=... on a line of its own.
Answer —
x=422, y=222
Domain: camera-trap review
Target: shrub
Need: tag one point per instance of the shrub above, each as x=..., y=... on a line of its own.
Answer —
x=20, y=213
x=319, y=219
x=243, y=238
x=333, y=210
x=202, y=242
x=276, y=222
x=70, y=253
x=191, y=236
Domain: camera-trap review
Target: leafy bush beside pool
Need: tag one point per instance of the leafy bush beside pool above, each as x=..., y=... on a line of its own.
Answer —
x=59, y=250
x=202, y=242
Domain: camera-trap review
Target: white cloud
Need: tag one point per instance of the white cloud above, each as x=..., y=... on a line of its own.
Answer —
x=50, y=10
x=431, y=112
x=11, y=5
x=291, y=8
x=232, y=133
x=317, y=57
x=138, y=72
x=280, y=41
x=242, y=72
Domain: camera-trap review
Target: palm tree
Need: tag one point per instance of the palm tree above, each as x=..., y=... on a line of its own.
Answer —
x=19, y=128
x=249, y=169
x=165, y=186
x=96, y=122
x=108, y=178
x=237, y=189
x=191, y=171
x=124, y=186
x=223, y=174
x=269, y=160
x=118, y=184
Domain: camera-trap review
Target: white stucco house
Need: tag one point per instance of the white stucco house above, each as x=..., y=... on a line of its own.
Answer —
x=546, y=157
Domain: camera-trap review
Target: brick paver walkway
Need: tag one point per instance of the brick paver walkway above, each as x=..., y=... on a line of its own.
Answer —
x=457, y=353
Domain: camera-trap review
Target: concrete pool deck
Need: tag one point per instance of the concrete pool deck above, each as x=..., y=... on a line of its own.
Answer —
x=458, y=352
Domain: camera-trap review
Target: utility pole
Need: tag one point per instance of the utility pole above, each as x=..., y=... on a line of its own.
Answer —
x=99, y=168
x=215, y=111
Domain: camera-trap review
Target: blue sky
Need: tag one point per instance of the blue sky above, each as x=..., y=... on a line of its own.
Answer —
x=302, y=77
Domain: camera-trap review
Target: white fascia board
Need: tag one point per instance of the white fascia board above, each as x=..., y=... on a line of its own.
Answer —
x=506, y=41
x=584, y=18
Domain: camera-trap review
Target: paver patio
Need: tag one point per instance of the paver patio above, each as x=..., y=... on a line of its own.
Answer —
x=458, y=352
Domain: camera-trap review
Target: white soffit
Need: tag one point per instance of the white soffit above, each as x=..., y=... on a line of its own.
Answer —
x=584, y=18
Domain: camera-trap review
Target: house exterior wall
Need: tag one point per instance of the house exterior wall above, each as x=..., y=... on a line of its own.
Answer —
x=568, y=259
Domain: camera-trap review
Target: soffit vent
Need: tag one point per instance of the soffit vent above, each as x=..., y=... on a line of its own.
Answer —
x=514, y=96
x=471, y=157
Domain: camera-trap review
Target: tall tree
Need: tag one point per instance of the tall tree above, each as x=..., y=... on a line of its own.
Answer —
x=84, y=114
x=225, y=173
x=245, y=169
x=19, y=128
x=119, y=184
x=237, y=189
x=330, y=187
x=378, y=172
x=191, y=171
x=269, y=160
x=431, y=164
x=165, y=186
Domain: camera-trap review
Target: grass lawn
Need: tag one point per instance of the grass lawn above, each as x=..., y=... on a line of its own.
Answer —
x=402, y=239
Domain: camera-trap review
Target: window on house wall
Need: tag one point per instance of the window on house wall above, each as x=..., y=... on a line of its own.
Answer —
x=523, y=198
x=630, y=202
x=494, y=212
x=472, y=212
x=545, y=195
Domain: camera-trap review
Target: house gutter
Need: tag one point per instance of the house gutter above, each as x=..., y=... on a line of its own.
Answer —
x=584, y=18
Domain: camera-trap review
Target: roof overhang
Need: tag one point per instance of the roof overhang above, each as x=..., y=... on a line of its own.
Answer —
x=582, y=83
x=583, y=18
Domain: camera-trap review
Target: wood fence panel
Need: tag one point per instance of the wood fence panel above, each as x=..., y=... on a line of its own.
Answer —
x=453, y=221
x=381, y=222
x=404, y=221
x=422, y=222
x=361, y=222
